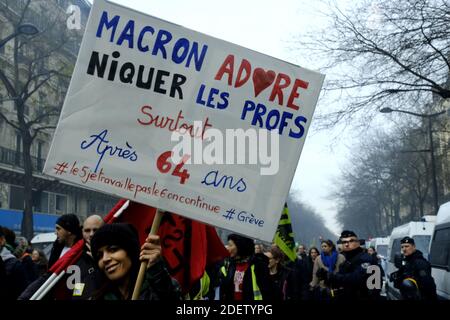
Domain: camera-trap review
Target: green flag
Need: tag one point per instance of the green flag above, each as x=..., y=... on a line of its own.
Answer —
x=284, y=237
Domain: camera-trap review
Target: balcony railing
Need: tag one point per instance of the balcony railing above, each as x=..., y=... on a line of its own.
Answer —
x=14, y=158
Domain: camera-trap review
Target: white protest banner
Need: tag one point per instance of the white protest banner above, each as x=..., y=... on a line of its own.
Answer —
x=165, y=116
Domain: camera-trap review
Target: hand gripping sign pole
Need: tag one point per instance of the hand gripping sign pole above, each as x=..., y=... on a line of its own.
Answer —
x=144, y=264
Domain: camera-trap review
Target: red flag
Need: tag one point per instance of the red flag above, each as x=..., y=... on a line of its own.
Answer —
x=187, y=246
x=57, y=271
x=69, y=258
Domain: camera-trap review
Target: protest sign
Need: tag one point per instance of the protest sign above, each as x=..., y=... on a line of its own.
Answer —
x=184, y=122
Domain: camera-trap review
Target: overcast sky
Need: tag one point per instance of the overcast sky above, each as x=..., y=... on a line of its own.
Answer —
x=269, y=27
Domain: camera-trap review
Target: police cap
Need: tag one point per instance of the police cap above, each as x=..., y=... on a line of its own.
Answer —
x=348, y=234
x=407, y=240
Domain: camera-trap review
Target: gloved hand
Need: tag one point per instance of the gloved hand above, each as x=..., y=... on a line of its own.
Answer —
x=394, y=277
x=322, y=274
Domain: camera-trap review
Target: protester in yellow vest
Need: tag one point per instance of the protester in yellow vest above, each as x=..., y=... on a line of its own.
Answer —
x=245, y=275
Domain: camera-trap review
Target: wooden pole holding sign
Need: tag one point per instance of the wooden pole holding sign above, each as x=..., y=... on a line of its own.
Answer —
x=144, y=264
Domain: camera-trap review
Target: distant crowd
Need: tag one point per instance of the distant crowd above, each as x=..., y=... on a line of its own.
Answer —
x=111, y=255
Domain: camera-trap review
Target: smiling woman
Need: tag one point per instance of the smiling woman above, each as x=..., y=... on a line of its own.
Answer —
x=115, y=249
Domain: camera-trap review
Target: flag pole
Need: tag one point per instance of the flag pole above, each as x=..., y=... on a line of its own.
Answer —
x=43, y=286
x=144, y=264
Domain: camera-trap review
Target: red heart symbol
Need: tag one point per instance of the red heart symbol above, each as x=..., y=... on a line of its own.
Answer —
x=262, y=79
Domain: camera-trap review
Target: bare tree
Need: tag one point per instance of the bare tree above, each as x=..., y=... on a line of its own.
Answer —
x=388, y=183
x=39, y=66
x=307, y=225
x=383, y=53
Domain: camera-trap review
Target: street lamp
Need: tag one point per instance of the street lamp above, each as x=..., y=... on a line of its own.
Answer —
x=27, y=29
x=430, y=135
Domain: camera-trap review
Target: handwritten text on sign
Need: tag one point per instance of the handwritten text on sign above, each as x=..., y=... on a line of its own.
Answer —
x=140, y=82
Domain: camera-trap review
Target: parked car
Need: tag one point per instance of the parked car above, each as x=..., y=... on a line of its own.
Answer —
x=440, y=252
x=421, y=232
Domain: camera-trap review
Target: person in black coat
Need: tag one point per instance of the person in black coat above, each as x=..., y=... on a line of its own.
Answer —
x=303, y=274
x=413, y=278
x=68, y=232
x=281, y=275
x=3, y=279
x=351, y=280
x=245, y=275
x=22, y=252
x=117, y=253
x=90, y=277
x=15, y=281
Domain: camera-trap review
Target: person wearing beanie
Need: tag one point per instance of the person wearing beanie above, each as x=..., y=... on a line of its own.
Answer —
x=350, y=283
x=68, y=232
x=245, y=275
x=22, y=253
x=413, y=278
x=14, y=277
x=118, y=255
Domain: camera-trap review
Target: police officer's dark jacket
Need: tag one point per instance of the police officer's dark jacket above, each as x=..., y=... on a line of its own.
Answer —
x=351, y=280
x=415, y=266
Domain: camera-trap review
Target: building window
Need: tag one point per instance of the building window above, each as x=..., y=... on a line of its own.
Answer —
x=440, y=249
x=76, y=203
x=4, y=192
x=40, y=201
x=16, y=198
x=51, y=203
x=395, y=249
x=61, y=204
x=44, y=202
x=91, y=207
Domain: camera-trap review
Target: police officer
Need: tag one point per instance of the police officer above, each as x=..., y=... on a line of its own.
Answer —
x=413, y=278
x=351, y=282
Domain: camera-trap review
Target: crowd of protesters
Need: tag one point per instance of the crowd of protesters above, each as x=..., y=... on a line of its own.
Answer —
x=112, y=255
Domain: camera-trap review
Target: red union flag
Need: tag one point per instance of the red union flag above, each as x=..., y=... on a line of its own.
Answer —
x=188, y=246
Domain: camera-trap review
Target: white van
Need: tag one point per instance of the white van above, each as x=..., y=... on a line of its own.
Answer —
x=44, y=242
x=380, y=245
x=440, y=252
x=421, y=232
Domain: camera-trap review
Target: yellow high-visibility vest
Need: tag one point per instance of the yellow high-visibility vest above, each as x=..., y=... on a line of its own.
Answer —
x=256, y=292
